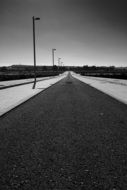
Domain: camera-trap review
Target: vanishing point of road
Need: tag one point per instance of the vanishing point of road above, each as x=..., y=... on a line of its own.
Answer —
x=69, y=137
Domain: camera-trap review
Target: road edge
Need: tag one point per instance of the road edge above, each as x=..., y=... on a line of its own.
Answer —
x=27, y=99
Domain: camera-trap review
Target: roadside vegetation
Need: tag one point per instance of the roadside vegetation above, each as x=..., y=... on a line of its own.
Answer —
x=15, y=72
x=107, y=72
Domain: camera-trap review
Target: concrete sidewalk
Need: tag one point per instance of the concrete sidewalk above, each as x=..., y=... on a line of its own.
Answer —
x=12, y=97
x=116, y=88
x=13, y=83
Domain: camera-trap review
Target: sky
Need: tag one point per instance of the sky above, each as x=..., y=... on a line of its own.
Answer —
x=83, y=32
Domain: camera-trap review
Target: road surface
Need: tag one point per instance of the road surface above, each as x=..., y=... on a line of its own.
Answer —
x=70, y=136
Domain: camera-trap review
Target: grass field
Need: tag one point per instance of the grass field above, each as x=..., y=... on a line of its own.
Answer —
x=117, y=75
x=14, y=75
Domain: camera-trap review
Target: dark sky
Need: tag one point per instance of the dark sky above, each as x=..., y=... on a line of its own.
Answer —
x=84, y=32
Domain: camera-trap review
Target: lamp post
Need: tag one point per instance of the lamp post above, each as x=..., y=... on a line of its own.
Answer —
x=53, y=50
x=34, y=50
x=59, y=62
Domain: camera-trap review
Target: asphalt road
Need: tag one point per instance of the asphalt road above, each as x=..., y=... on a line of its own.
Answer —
x=69, y=137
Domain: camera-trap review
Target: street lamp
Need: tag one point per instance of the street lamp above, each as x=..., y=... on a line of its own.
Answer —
x=53, y=56
x=59, y=62
x=34, y=50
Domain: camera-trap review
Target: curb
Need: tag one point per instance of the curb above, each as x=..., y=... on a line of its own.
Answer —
x=5, y=87
x=27, y=99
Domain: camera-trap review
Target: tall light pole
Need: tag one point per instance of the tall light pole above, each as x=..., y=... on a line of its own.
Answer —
x=34, y=50
x=59, y=62
x=53, y=56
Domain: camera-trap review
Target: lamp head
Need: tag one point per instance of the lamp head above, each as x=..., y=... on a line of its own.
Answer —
x=37, y=18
